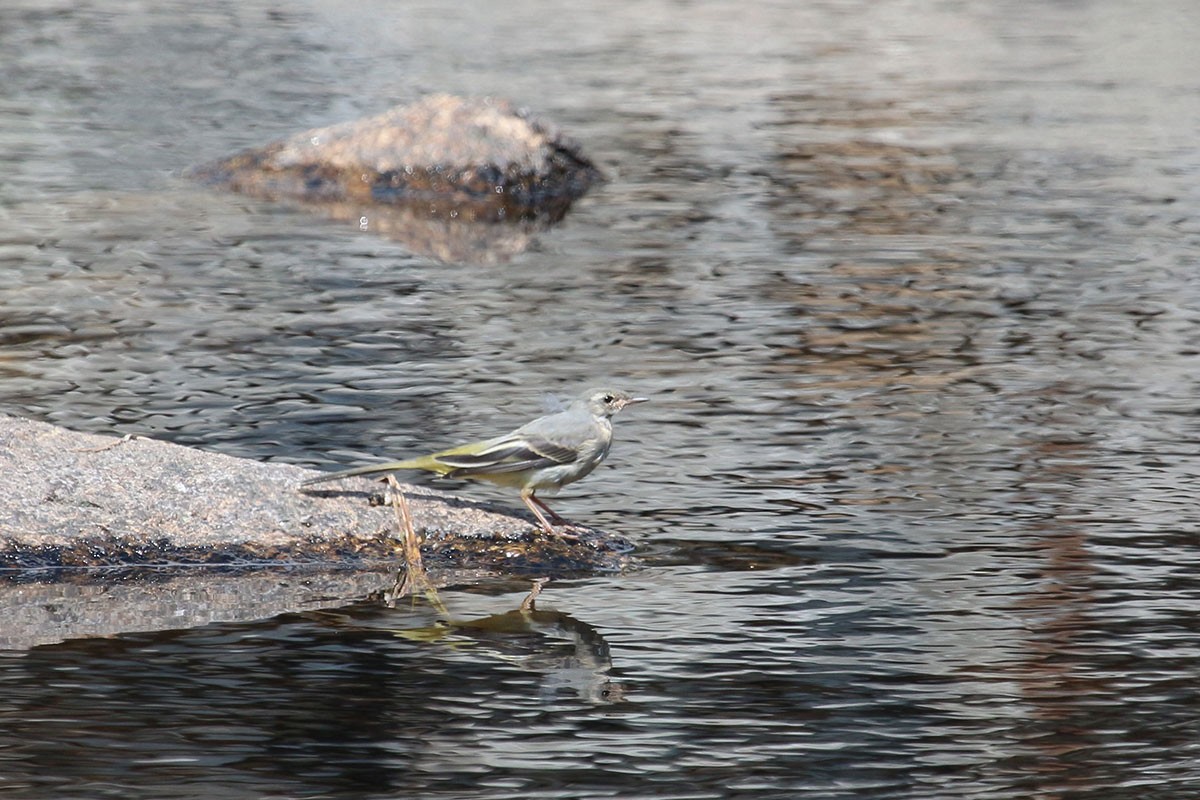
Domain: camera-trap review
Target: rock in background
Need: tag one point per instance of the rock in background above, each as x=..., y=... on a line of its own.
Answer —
x=424, y=173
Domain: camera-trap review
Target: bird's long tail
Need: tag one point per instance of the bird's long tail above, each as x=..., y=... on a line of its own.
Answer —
x=425, y=462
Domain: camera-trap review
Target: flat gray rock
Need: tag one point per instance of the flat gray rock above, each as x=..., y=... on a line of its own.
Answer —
x=72, y=501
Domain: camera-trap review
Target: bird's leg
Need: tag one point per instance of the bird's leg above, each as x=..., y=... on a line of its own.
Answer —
x=532, y=503
x=528, y=500
x=554, y=515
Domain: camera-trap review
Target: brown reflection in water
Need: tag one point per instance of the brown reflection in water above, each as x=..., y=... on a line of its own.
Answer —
x=1059, y=686
x=842, y=167
x=893, y=304
x=923, y=344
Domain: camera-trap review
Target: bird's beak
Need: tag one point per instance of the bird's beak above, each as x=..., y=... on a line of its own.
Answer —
x=633, y=400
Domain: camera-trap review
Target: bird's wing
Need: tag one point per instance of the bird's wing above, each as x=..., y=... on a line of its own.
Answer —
x=507, y=455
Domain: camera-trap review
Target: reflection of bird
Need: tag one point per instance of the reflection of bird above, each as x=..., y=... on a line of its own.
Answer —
x=569, y=654
x=547, y=453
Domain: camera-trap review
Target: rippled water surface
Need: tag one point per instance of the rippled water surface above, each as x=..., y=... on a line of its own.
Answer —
x=912, y=287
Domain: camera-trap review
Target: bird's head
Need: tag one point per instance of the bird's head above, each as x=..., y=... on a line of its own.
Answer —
x=606, y=402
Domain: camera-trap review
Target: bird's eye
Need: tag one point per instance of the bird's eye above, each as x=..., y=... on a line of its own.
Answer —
x=608, y=398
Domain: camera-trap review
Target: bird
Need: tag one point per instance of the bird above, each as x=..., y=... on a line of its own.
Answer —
x=544, y=454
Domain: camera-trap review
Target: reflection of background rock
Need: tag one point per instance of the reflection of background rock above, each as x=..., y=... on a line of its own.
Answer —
x=425, y=174
x=452, y=240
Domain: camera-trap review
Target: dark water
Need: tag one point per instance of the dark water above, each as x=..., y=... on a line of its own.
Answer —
x=912, y=287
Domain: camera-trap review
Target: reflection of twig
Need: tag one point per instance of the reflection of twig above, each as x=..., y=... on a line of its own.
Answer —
x=414, y=576
x=530, y=601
